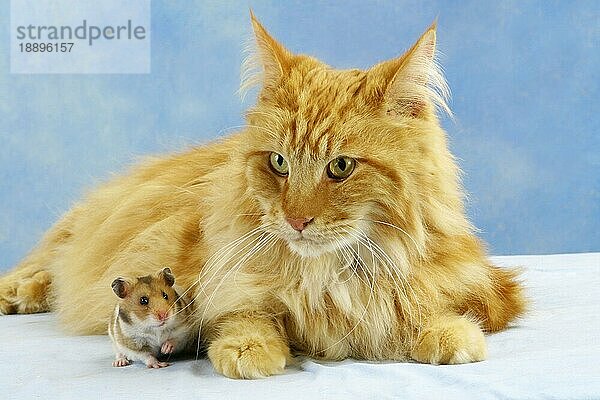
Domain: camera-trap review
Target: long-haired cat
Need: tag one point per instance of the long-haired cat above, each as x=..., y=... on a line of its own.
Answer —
x=332, y=225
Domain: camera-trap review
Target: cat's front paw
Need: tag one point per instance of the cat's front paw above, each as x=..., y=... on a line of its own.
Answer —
x=247, y=358
x=451, y=340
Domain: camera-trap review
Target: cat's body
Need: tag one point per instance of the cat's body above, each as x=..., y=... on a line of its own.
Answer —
x=383, y=265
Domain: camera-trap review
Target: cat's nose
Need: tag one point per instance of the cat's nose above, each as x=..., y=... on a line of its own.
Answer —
x=299, y=223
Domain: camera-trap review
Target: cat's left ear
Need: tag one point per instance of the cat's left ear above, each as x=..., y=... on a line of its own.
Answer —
x=268, y=63
x=412, y=85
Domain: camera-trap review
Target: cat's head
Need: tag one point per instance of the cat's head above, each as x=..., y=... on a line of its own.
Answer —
x=336, y=156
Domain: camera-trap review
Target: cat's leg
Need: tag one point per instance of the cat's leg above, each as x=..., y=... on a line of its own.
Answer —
x=25, y=290
x=449, y=339
x=248, y=346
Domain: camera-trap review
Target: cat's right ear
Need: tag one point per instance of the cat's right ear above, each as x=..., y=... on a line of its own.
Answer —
x=121, y=287
x=267, y=62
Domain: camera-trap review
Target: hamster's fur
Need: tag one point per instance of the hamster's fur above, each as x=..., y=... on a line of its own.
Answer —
x=149, y=318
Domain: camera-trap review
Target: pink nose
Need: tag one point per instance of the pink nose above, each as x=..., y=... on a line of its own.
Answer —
x=162, y=315
x=299, y=223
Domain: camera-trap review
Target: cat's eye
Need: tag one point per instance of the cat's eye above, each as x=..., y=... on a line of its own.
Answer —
x=165, y=296
x=278, y=164
x=341, y=168
x=144, y=300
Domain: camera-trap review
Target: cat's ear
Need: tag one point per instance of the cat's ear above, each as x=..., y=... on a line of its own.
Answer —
x=412, y=85
x=267, y=62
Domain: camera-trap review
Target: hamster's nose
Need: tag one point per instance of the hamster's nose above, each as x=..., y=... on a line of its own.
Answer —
x=299, y=223
x=162, y=315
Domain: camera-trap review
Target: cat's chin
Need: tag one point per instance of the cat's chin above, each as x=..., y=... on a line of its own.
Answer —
x=309, y=249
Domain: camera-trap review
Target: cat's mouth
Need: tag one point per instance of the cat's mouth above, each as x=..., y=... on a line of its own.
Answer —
x=308, y=244
x=298, y=237
x=307, y=248
x=304, y=237
x=313, y=241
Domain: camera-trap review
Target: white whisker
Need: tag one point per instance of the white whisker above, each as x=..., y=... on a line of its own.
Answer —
x=217, y=257
x=417, y=247
x=256, y=247
x=366, y=308
x=394, y=272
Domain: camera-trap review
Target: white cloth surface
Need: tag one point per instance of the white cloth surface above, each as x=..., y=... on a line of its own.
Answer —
x=553, y=353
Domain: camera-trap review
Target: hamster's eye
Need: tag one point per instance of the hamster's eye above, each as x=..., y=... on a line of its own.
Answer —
x=278, y=164
x=165, y=296
x=341, y=168
x=144, y=300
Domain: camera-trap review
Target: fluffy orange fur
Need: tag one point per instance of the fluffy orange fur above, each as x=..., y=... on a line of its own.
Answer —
x=388, y=269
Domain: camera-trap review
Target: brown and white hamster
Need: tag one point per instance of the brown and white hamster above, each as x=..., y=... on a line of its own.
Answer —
x=149, y=318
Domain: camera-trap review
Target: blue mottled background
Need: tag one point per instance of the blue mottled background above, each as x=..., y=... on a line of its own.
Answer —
x=524, y=74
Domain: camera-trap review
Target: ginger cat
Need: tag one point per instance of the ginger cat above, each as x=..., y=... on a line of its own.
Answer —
x=332, y=225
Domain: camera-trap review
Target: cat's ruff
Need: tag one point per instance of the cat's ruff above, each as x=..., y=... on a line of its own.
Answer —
x=382, y=265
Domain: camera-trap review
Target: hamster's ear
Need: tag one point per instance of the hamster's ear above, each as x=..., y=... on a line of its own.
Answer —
x=167, y=275
x=121, y=287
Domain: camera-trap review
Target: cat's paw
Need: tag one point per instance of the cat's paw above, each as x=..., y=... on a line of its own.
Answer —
x=31, y=294
x=247, y=358
x=451, y=340
x=7, y=295
x=25, y=294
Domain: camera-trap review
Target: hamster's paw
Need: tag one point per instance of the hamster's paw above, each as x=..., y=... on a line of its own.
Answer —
x=451, y=340
x=167, y=347
x=247, y=358
x=154, y=363
x=121, y=362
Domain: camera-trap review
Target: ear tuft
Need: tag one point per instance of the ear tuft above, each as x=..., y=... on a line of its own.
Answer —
x=121, y=287
x=266, y=59
x=414, y=84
